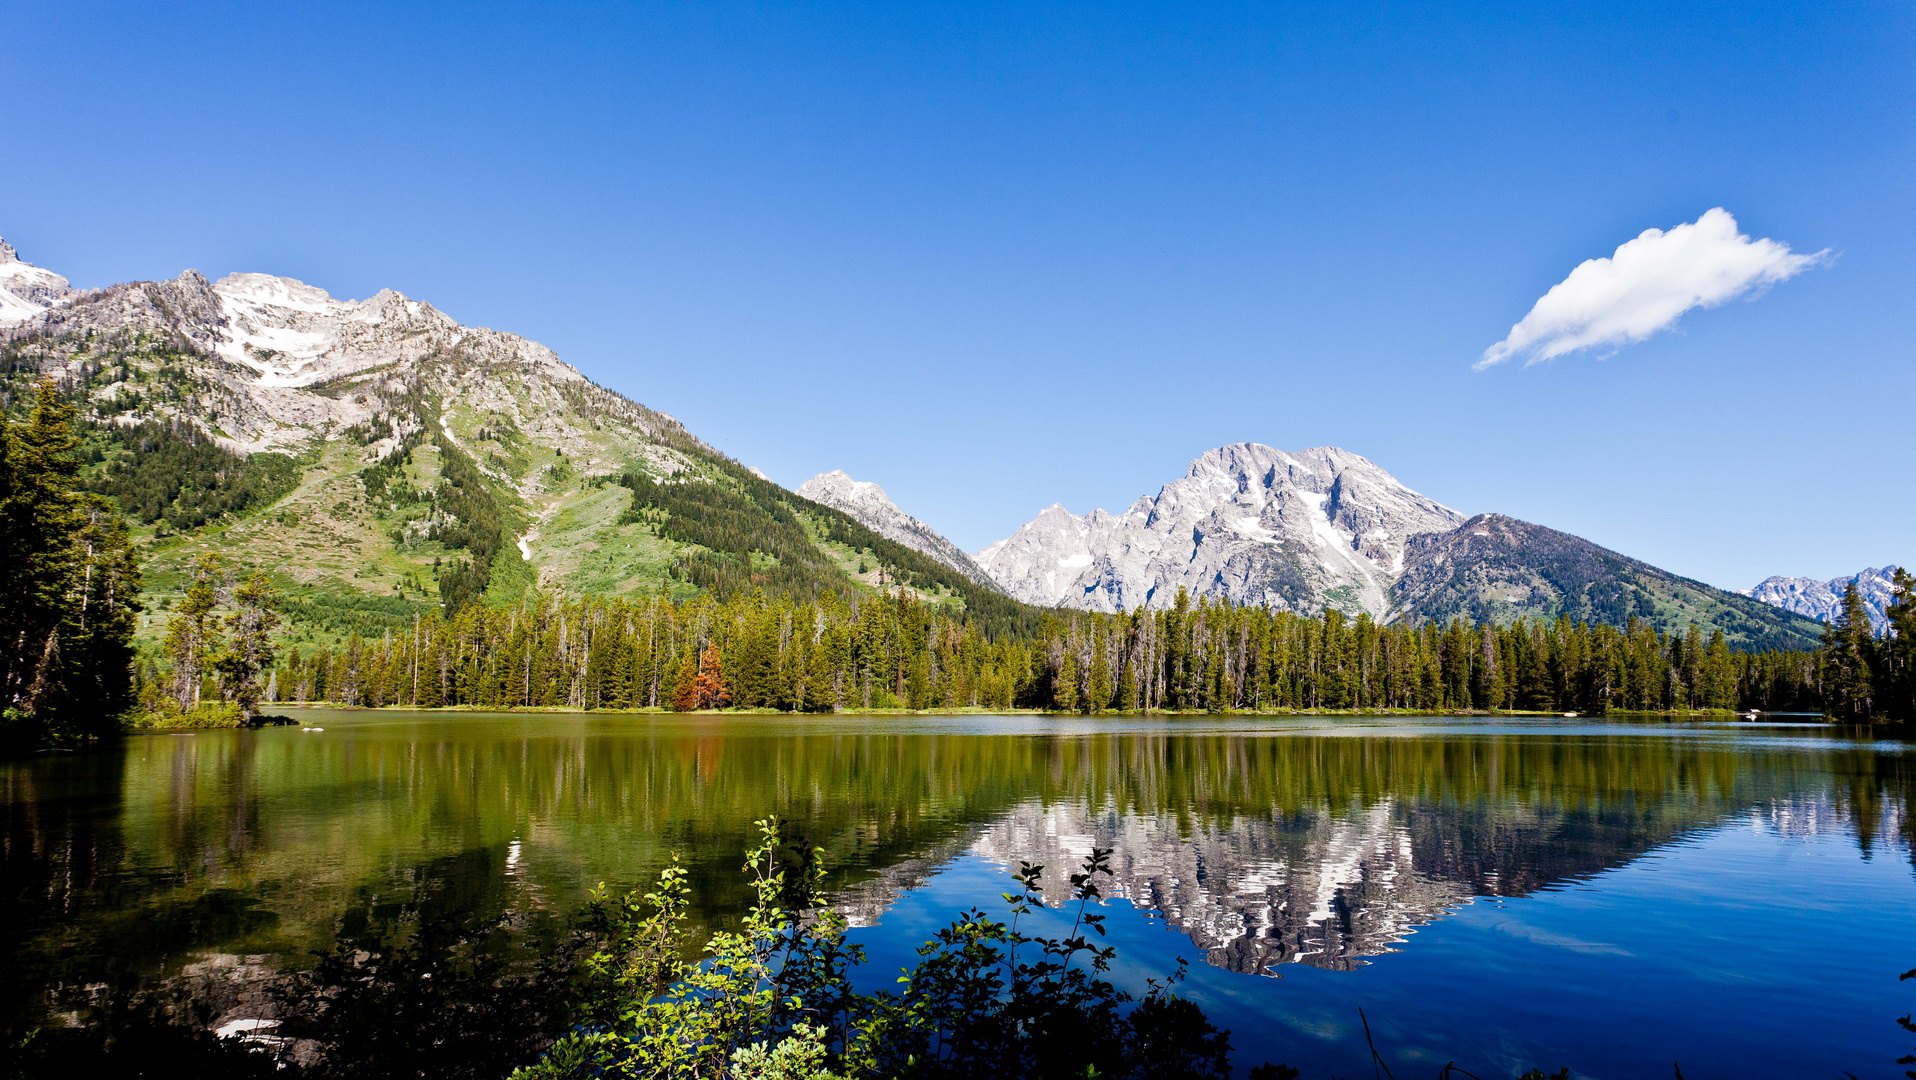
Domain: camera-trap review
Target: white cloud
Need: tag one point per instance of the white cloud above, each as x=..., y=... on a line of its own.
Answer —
x=1646, y=286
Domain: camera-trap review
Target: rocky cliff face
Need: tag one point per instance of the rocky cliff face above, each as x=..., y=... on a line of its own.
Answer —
x=868, y=504
x=1823, y=600
x=1300, y=530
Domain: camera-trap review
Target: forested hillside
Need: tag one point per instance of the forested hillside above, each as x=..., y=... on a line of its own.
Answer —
x=1495, y=569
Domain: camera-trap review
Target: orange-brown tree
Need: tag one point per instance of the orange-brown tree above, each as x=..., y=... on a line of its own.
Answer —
x=709, y=690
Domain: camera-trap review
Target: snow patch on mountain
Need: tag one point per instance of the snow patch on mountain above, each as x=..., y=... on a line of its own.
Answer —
x=1823, y=600
x=868, y=504
x=293, y=334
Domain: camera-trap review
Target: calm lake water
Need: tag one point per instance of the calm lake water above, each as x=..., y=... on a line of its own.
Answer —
x=1610, y=896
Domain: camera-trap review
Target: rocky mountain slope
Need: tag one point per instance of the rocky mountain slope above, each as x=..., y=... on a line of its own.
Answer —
x=1319, y=528
x=868, y=503
x=1298, y=530
x=1823, y=600
x=382, y=459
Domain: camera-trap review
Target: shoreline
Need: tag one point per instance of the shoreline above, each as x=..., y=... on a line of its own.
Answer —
x=537, y=710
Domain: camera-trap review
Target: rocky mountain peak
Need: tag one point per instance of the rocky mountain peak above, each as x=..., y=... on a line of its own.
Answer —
x=27, y=290
x=277, y=351
x=1823, y=600
x=1294, y=529
x=868, y=504
x=837, y=488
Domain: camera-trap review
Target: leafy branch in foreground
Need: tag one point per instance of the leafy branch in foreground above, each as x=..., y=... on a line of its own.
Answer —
x=775, y=998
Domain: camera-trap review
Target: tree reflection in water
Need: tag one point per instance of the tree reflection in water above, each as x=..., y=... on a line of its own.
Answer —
x=221, y=857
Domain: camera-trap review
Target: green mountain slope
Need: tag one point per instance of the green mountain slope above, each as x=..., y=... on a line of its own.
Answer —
x=1496, y=568
x=433, y=465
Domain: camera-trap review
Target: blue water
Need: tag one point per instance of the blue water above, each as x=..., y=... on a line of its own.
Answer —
x=1735, y=953
x=1616, y=897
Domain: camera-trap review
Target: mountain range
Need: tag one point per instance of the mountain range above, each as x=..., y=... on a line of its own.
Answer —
x=381, y=458
x=1305, y=530
x=1823, y=600
x=1310, y=529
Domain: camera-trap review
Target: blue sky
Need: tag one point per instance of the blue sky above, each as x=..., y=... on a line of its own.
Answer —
x=996, y=257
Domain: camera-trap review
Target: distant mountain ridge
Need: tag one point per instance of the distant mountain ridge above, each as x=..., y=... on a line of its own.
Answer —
x=1823, y=600
x=1496, y=568
x=1310, y=529
x=868, y=503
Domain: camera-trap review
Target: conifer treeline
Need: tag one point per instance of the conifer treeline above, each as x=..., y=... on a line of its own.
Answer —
x=170, y=469
x=1867, y=675
x=69, y=587
x=893, y=651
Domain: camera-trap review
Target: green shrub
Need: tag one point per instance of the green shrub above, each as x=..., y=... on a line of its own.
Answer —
x=774, y=999
x=206, y=715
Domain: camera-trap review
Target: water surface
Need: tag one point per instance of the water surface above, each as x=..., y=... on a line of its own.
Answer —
x=1508, y=893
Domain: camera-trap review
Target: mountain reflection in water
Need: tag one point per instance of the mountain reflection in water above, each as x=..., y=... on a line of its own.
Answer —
x=1267, y=842
x=1362, y=840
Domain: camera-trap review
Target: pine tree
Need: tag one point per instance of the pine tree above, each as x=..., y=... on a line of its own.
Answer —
x=709, y=690
x=249, y=644
x=100, y=650
x=192, y=636
x=1849, y=655
x=821, y=695
x=685, y=696
x=1899, y=651
x=41, y=514
x=69, y=585
x=1099, y=698
x=1064, y=688
x=1719, y=674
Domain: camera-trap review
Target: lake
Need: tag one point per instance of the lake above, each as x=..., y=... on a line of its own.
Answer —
x=1507, y=893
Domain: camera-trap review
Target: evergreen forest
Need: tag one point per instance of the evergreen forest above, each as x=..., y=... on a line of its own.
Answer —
x=71, y=583
x=894, y=651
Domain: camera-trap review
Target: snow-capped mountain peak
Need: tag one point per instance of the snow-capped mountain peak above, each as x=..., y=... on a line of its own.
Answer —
x=294, y=334
x=1823, y=600
x=27, y=290
x=278, y=340
x=843, y=491
x=1294, y=529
